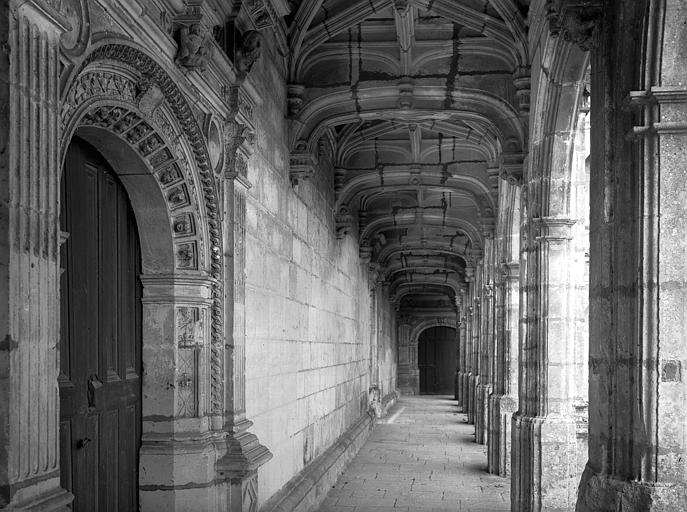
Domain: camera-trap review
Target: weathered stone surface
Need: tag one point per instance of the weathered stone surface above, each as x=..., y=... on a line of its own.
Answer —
x=318, y=187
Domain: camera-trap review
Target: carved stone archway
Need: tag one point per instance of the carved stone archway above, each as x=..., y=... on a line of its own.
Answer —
x=126, y=107
x=409, y=330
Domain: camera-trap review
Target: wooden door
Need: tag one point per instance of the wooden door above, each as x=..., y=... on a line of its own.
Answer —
x=100, y=347
x=427, y=363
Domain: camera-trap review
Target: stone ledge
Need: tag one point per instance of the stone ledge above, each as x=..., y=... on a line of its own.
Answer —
x=309, y=488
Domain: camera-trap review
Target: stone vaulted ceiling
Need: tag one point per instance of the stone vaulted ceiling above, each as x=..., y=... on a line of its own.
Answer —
x=424, y=105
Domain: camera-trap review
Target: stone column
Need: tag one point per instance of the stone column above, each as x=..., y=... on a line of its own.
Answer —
x=487, y=348
x=462, y=350
x=638, y=409
x=178, y=447
x=460, y=344
x=504, y=401
x=29, y=256
x=244, y=454
x=469, y=310
x=474, y=378
x=545, y=464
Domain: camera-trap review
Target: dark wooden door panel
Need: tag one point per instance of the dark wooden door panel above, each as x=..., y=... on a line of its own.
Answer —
x=427, y=363
x=100, y=389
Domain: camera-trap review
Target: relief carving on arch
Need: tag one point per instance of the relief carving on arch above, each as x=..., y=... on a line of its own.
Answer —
x=171, y=143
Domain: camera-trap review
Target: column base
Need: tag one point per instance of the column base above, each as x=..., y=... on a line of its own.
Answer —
x=409, y=382
x=482, y=412
x=501, y=409
x=546, y=468
x=465, y=392
x=602, y=493
x=44, y=496
x=461, y=379
x=473, y=382
x=177, y=472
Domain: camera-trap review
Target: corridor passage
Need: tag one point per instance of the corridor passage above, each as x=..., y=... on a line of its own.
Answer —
x=422, y=456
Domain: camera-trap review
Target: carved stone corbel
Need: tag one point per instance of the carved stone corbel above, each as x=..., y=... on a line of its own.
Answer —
x=248, y=51
x=238, y=140
x=365, y=251
x=302, y=165
x=576, y=21
x=294, y=98
x=522, y=82
x=194, y=38
x=512, y=168
x=344, y=222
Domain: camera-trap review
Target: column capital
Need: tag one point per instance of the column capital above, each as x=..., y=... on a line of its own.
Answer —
x=552, y=229
x=45, y=13
x=576, y=21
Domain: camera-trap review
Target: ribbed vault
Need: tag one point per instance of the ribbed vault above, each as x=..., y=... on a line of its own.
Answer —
x=424, y=105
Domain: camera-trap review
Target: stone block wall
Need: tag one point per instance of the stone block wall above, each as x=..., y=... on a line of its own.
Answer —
x=308, y=326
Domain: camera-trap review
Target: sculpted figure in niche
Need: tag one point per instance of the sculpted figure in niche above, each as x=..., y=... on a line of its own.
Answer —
x=194, y=47
x=248, y=51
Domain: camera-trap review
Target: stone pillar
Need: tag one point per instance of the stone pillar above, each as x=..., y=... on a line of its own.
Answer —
x=638, y=409
x=470, y=313
x=29, y=256
x=504, y=401
x=462, y=348
x=460, y=344
x=178, y=447
x=474, y=378
x=244, y=454
x=545, y=464
x=487, y=348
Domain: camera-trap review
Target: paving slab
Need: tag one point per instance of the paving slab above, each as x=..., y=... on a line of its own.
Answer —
x=421, y=457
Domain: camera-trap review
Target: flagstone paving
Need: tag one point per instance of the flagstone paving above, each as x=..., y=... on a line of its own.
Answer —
x=422, y=457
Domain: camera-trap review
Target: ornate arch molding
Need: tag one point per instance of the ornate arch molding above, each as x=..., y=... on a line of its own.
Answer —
x=120, y=89
x=559, y=101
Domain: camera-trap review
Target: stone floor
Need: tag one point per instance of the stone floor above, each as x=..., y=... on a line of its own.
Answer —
x=422, y=456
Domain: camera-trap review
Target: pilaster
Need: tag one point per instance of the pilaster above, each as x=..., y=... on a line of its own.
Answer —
x=178, y=445
x=637, y=348
x=244, y=453
x=29, y=257
x=504, y=401
x=545, y=461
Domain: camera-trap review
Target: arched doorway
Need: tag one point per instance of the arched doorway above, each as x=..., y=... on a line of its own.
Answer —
x=100, y=349
x=437, y=360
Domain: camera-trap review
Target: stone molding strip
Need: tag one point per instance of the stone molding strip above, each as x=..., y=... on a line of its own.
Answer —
x=309, y=487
